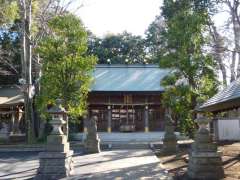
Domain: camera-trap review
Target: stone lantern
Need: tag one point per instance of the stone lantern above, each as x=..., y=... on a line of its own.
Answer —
x=56, y=162
x=205, y=161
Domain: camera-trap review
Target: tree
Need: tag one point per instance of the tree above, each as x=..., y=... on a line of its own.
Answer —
x=235, y=19
x=66, y=69
x=193, y=78
x=218, y=49
x=10, y=61
x=8, y=11
x=9, y=41
x=226, y=38
x=32, y=17
x=154, y=40
x=25, y=12
x=117, y=48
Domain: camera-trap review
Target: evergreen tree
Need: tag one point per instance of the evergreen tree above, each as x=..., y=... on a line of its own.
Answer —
x=193, y=78
x=66, y=70
x=118, y=48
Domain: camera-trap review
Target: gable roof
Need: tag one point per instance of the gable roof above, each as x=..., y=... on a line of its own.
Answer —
x=10, y=96
x=227, y=98
x=126, y=78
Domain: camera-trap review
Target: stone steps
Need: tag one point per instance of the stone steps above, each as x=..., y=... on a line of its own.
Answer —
x=125, y=145
x=126, y=137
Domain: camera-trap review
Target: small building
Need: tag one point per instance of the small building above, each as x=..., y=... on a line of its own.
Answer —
x=127, y=98
x=11, y=111
x=225, y=106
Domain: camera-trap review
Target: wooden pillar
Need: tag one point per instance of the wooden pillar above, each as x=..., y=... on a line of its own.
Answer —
x=215, y=121
x=13, y=123
x=146, y=118
x=109, y=115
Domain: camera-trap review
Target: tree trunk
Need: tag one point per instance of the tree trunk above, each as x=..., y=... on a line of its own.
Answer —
x=22, y=6
x=232, y=66
x=25, y=8
x=218, y=51
x=236, y=31
x=238, y=67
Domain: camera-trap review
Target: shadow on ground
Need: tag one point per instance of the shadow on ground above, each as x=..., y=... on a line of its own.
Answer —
x=118, y=164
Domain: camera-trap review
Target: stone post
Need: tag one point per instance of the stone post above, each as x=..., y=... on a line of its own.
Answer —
x=16, y=120
x=146, y=119
x=109, y=128
x=56, y=162
x=92, y=143
x=15, y=134
x=170, y=139
x=205, y=161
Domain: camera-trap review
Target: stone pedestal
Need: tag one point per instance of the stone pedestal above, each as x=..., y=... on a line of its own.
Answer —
x=4, y=132
x=205, y=161
x=170, y=139
x=92, y=142
x=17, y=137
x=56, y=162
x=55, y=165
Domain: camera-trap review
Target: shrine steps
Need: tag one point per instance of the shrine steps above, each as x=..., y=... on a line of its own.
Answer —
x=131, y=140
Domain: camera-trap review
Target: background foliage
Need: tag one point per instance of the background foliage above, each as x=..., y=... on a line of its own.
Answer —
x=117, y=48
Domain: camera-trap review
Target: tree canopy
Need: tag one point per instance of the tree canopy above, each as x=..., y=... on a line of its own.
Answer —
x=193, y=79
x=118, y=48
x=66, y=69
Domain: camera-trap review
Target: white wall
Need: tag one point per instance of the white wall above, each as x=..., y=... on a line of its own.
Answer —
x=228, y=129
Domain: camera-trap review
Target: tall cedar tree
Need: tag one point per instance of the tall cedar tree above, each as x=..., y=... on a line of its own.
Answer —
x=193, y=79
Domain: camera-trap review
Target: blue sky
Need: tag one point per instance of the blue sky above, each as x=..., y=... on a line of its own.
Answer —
x=115, y=16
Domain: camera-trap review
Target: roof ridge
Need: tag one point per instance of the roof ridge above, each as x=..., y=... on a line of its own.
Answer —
x=127, y=66
x=9, y=86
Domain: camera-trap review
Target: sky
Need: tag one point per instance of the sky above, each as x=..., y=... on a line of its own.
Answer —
x=115, y=16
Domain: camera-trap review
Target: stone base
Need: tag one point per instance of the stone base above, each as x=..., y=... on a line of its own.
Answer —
x=169, y=144
x=4, y=137
x=169, y=148
x=16, y=138
x=55, y=165
x=92, y=146
x=205, y=165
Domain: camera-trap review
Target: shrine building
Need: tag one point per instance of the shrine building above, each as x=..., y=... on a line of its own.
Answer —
x=127, y=98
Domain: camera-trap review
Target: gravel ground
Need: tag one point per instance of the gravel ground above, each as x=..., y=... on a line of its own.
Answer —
x=177, y=164
x=118, y=164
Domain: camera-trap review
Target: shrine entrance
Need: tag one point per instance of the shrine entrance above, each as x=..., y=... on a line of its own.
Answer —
x=127, y=118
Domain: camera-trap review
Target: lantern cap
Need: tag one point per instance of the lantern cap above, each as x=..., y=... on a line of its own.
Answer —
x=57, y=108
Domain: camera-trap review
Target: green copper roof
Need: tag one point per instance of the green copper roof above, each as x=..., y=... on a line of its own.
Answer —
x=227, y=98
x=128, y=78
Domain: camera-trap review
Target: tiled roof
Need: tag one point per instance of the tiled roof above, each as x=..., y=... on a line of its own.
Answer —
x=224, y=99
x=10, y=95
x=124, y=78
